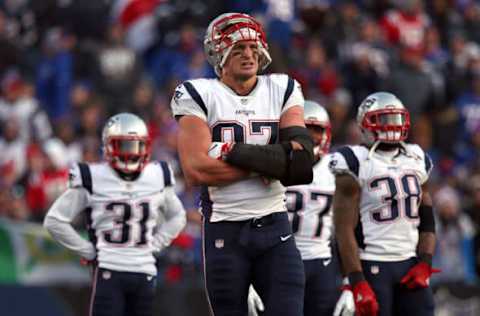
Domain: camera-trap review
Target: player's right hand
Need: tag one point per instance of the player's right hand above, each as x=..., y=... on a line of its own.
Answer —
x=345, y=305
x=365, y=300
x=255, y=303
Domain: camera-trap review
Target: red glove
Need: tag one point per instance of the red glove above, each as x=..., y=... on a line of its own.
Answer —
x=418, y=276
x=219, y=150
x=226, y=148
x=365, y=299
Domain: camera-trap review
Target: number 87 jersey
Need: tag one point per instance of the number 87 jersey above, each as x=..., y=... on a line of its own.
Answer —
x=310, y=212
x=391, y=193
x=250, y=119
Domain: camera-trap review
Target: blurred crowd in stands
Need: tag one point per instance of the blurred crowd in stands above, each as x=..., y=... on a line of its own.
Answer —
x=66, y=65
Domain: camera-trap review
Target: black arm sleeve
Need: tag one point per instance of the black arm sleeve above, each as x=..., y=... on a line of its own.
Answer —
x=300, y=163
x=268, y=160
x=427, y=220
x=278, y=161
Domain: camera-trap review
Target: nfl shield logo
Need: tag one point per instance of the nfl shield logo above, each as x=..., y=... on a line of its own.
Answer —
x=375, y=269
x=219, y=243
x=106, y=275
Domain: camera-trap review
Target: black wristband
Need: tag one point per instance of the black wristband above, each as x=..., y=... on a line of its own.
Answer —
x=355, y=277
x=425, y=257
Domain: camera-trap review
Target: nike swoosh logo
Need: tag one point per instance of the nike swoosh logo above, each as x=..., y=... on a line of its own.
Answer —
x=326, y=262
x=285, y=238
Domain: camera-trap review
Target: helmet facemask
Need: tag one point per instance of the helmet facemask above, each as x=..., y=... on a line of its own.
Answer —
x=229, y=29
x=128, y=154
x=386, y=125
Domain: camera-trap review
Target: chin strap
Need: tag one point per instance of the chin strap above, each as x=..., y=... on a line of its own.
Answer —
x=128, y=176
x=403, y=149
x=372, y=149
x=410, y=153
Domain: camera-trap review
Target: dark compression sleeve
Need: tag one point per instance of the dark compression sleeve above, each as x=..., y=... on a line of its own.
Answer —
x=427, y=220
x=278, y=161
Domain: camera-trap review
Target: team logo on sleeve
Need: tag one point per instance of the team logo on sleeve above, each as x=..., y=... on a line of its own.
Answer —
x=332, y=163
x=178, y=94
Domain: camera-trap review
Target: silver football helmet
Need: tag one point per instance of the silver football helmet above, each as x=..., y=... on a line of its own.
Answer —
x=126, y=143
x=383, y=118
x=228, y=29
x=315, y=114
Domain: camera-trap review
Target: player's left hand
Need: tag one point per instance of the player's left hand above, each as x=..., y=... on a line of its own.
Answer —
x=255, y=303
x=345, y=305
x=418, y=276
x=365, y=299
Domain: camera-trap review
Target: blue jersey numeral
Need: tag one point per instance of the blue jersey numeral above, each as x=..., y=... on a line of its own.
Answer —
x=402, y=193
x=123, y=224
x=234, y=131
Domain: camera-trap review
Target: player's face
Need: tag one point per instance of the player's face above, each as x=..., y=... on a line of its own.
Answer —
x=128, y=155
x=242, y=62
x=318, y=134
x=320, y=140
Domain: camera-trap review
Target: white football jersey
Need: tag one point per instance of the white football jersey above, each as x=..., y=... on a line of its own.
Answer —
x=391, y=194
x=310, y=211
x=122, y=214
x=251, y=119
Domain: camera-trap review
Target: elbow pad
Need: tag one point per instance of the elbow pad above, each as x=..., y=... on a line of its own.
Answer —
x=427, y=220
x=278, y=161
x=300, y=135
x=300, y=162
x=267, y=160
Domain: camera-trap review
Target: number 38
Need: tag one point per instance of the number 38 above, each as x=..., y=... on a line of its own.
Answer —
x=402, y=193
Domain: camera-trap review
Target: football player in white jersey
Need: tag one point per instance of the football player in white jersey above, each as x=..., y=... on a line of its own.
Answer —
x=310, y=213
x=132, y=211
x=242, y=137
x=383, y=213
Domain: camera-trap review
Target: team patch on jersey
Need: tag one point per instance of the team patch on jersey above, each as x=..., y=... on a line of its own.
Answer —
x=219, y=243
x=106, y=275
x=245, y=112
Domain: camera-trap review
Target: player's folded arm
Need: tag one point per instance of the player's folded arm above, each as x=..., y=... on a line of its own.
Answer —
x=279, y=161
x=198, y=167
